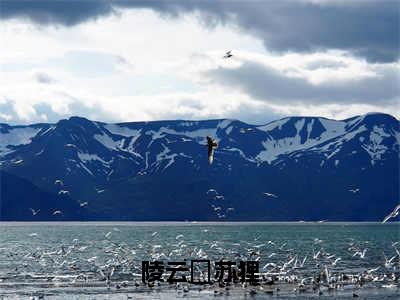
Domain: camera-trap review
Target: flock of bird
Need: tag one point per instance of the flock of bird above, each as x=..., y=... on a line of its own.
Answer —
x=114, y=265
x=221, y=209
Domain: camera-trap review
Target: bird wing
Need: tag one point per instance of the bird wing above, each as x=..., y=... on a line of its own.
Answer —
x=210, y=155
x=392, y=214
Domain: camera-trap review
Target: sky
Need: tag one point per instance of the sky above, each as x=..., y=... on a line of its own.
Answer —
x=121, y=61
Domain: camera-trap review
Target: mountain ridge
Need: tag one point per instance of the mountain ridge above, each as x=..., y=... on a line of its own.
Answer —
x=138, y=164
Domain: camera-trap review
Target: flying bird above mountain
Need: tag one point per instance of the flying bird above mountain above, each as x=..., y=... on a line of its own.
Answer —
x=211, y=144
x=34, y=212
x=270, y=195
x=228, y=54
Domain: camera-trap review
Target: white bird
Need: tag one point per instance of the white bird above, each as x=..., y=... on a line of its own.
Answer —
x=354, y=190
x=288, y=263
x=34, y=212
x=361, y=254
x=59, y=182
x=336, y=261
x=315, y=255
x=328, y=279
x=214, y=244
x=228, y=54
x=304, y=261
x=269, y=265
x=57, y=212
x=393, y=214
x=397, y=251
x=92, y=259
x=83, y=204
x=389, y=262
x=281, y=247
x=270, y=195
x=373, y=270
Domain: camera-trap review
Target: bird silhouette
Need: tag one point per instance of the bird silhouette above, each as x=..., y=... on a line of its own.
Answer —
x=228, y=54
x=211, y=144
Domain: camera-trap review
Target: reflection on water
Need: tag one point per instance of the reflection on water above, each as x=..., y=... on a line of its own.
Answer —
x=98, y=260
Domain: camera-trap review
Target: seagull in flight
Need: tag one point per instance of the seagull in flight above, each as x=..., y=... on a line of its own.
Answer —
x=212, y=191
x=354, y=190
x=393, y=214
x=57, y=212
x=34, y=212
x=211, y=144
x=270, y=195
x=228, y=54
x=361, y=254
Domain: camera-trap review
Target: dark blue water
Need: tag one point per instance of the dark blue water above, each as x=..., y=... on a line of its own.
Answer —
x=104, y=260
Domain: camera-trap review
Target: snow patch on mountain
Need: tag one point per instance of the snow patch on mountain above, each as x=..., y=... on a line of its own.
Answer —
x=224, y=123
x=164, y=155
x=51, y=128
x=229, y=130
x=275, y=147
x=86, y=157
x=16, y=137
x=333, y=146
x=333, y=128
x=240, y=152
x=353, y=123
x=108, y=142
x=121, y=130
x=375, y=148
x=81, y=165
x=272, y=125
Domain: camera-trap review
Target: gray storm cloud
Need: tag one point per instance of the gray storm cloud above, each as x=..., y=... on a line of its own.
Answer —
x=267, y=84
x=368, y=29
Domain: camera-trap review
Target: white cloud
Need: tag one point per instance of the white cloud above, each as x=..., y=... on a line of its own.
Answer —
x=139, y=66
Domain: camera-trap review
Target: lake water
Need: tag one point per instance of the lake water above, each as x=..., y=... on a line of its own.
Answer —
x=104, y=260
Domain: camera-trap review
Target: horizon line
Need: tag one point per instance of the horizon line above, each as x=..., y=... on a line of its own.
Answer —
x=194, y=120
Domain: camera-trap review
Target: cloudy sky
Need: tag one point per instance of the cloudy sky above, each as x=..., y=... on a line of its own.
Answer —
x=119, y=61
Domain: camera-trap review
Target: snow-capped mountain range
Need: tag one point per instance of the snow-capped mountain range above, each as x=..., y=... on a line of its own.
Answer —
x=296, y=168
